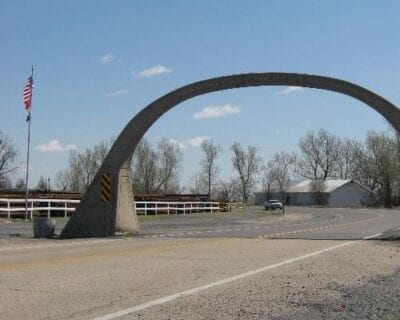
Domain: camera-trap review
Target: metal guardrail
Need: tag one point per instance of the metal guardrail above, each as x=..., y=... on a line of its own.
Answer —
x=9, y=207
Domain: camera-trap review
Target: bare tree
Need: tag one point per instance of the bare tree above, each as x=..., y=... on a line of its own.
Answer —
x=8, y=156
x=144, y=168
x=170, y=158
x=194, y=186
x=42, y=184
x=209, y=169
x=279, y=168
x=347, y=159
x=82, y=168
x=396, y=186
x=267, y=182
x=381, y=161
x=156, y=171
x=363, y=170
x=319, y=154
x=248, y=165
x=20, y=184
x=229, y=191
x=5, y=181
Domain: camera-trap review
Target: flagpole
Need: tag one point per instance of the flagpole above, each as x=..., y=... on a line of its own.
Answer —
x=27, y=159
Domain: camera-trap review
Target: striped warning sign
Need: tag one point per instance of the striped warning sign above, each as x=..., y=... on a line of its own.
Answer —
x=105, y=187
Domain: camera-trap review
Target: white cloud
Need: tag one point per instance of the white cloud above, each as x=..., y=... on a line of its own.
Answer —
x=193, y=142
x=179, y=144
x=108, y=58
x=197, y=141
x=153, y=72
x=116, y=93
x=289, y=90
x=216, y=111
x=55, y=146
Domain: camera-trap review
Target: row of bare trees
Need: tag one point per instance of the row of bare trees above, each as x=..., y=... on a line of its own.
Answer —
x=155, y=170
x=246, y=164
x=321, y=155
x=82, y=167
x=373, y=163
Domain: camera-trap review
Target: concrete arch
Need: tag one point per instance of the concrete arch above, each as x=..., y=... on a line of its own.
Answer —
x=94, y=218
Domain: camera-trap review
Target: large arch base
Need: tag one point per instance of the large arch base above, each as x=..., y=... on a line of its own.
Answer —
x=94, y=218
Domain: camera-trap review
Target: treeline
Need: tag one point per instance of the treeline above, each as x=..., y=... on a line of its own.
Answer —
x=373, y=162
x=321, y=155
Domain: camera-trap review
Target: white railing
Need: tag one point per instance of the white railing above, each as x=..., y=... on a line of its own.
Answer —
x=143, y=207
x=9, y=207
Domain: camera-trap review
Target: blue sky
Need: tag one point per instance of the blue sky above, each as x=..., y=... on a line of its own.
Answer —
x=100, y=62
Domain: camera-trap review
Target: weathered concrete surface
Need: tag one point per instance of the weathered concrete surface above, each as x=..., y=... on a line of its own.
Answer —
x=85, y=279
x=94, y=219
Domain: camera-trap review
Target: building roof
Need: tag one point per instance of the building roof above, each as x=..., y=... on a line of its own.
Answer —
x=330, y=186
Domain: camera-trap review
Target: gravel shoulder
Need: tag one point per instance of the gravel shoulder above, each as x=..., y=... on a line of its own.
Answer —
x=359, y=282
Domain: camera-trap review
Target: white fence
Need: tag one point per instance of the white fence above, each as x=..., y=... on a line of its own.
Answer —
x=155, y=207
x=9, y=207
x=16, y=207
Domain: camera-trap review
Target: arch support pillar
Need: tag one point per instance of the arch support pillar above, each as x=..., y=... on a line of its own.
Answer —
x=126, y=217
x=95, y=218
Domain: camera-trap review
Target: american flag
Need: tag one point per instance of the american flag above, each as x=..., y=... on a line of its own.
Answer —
x=28, y=94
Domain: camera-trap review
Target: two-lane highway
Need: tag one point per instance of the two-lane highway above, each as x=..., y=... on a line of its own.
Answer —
x=314, y=223
x=220, y=266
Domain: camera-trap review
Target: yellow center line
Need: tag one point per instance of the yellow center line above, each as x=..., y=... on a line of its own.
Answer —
x=379, y=216
x=105, y=256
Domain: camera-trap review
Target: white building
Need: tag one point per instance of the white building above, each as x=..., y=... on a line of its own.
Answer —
x=336, y=193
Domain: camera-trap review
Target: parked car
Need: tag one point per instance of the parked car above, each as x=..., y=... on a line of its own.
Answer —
x=273, y=204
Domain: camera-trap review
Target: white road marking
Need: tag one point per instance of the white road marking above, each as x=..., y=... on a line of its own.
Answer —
x=56, y=245
x=372, y=236
x=181, y=294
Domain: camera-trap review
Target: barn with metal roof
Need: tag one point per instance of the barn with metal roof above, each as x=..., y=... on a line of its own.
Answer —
x=332, y=193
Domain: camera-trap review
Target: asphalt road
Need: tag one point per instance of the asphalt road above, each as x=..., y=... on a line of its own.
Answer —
x=296, y=223
x=307, y=264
